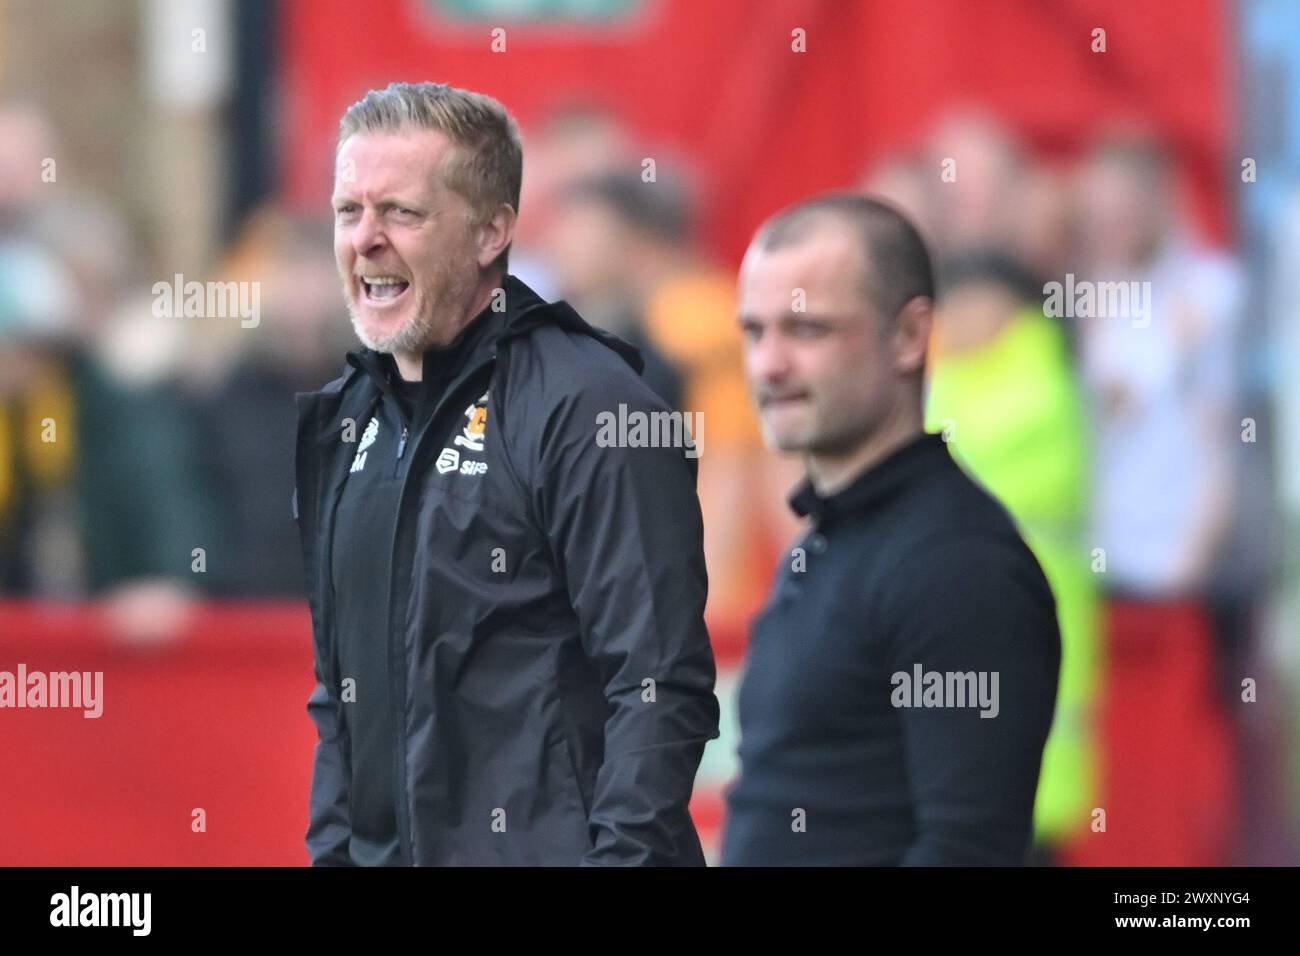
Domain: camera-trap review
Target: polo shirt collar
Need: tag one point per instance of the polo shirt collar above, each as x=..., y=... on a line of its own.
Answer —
x=874, y=486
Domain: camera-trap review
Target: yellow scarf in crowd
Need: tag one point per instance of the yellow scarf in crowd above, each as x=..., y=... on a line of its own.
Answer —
x=43, y=414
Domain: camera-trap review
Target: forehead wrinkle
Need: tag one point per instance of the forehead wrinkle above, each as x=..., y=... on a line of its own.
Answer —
x=396, y=169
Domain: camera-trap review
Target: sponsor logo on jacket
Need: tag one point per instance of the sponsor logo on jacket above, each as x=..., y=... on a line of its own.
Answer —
x=471, y=439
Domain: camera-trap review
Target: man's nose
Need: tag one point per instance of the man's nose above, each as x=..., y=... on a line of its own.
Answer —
x=769, y=359
x=368, y=235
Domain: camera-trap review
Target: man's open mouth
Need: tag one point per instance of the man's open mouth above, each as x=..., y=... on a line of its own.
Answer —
x=381, y=290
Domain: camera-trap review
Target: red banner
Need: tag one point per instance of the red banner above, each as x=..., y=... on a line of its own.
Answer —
x=721, y=81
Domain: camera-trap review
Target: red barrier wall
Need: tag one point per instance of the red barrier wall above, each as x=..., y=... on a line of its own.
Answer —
x=216, y=720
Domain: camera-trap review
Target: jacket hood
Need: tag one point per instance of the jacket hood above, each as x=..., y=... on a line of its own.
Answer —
x=534, y=311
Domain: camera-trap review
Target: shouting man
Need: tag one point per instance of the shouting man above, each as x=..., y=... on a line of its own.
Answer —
x=511, y=660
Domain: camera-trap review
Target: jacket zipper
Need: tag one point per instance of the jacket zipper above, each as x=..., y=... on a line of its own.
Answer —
x=326, y=529
x=327, y=524
x=398, y=717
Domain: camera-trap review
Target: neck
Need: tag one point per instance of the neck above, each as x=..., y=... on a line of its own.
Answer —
x=830, y=473
x=410, y=364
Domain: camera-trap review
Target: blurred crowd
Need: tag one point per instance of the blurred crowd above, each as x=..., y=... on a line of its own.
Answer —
x=142, y=457
x=146, y=461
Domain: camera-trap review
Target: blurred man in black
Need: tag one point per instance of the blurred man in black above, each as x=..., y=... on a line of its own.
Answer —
x=901, y=679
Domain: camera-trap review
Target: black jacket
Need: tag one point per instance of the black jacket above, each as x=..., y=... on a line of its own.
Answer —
x=550, y=655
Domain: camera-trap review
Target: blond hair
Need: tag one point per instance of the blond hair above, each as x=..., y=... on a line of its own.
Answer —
x=486, y=168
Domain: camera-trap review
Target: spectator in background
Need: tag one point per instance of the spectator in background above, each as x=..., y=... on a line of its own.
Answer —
x=104, y=503
x=29, y=142
x=1004, y=393
x=37, y=468
x=1161, y=386
x=979, y=171
x=37, y=305
x=600, y=229
x=574, y=141
x=977, y=187
x=246, y=418
x=1044, y=234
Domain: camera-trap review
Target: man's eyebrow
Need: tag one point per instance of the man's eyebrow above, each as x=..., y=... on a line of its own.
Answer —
x=387, y=202
x=791, y=320
x=822, y=317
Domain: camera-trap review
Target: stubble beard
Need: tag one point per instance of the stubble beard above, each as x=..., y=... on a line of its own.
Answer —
x=421, y=331
x=413, y=336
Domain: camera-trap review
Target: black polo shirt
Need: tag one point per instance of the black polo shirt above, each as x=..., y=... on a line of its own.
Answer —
x=911, y=570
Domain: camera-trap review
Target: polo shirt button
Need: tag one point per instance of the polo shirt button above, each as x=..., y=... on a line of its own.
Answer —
x=817, y=543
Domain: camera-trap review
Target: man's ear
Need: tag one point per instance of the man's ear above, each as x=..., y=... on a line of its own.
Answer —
x=912, y=329
x=495, y=234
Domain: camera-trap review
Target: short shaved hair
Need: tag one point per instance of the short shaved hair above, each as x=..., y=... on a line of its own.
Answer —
x=896, y=265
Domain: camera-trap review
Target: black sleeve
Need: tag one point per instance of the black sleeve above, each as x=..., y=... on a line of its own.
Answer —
x=975, y=605
x=329, y=829
x=625, y=527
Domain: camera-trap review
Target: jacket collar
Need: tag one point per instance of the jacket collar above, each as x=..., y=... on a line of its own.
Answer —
x=535, y=312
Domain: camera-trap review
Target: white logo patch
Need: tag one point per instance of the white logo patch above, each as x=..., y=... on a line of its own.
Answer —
x=449, y=460
x=369, y=435
x=367, y=439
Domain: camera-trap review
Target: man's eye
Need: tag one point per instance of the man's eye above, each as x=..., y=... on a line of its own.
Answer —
x=346, y=209
x=806, y=330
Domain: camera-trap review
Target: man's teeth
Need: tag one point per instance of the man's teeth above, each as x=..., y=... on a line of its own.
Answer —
x=383, y=287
